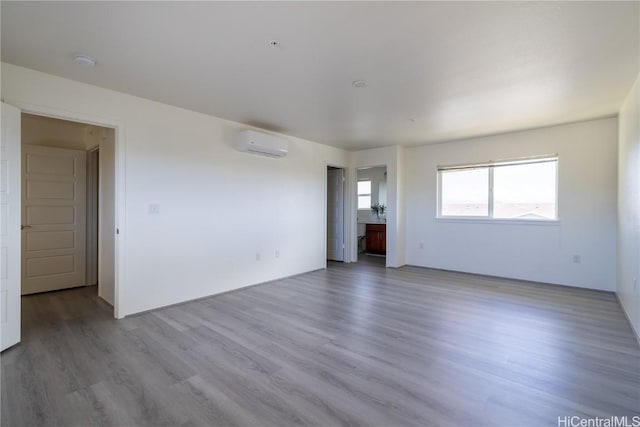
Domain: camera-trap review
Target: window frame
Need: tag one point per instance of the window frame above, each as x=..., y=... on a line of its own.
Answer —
x=491, y=165
x=370, y=194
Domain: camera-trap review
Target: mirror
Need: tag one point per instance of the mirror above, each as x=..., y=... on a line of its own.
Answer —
x=372, y=194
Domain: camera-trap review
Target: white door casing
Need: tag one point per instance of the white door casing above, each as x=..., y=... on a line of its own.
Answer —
x=335, y=214
x=10, y=227
x=54, y=218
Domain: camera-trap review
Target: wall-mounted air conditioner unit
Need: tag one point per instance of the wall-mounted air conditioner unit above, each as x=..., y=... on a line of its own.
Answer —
x=255, y=142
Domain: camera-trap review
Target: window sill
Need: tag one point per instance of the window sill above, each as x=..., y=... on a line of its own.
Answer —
x=537, y=222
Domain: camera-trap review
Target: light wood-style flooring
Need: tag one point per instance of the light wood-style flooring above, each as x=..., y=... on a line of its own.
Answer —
x=356, y=344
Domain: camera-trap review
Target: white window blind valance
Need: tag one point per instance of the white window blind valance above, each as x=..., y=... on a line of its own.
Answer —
x=498, y=163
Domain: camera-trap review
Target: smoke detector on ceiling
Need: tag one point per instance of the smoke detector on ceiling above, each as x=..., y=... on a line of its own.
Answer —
x=84, y=60
x=360, y=84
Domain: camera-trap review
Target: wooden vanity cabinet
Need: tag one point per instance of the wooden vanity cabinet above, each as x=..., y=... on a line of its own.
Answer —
x=376, y=238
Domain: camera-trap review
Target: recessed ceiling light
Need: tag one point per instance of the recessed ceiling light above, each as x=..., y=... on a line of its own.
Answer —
x=411, y=120
x=359, y=84
x=274, y=43
x=84, y=60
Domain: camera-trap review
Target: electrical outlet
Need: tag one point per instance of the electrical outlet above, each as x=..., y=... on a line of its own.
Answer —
x=258, y=257
x=421, y=245
x=154, y=209
x=277, y=253
x=577, y=259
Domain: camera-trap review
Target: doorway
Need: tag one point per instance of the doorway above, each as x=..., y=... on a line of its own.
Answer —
x=336, y=182
x=68, y=206
x=371, y=194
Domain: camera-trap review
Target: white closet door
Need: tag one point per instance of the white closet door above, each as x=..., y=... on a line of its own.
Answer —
x=54, y=218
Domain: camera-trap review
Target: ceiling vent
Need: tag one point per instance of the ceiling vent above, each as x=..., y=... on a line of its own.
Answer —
x=251, y=141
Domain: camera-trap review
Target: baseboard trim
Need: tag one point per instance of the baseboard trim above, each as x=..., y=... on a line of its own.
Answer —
x=626, y=315
x=137, y=313
x=513, y=278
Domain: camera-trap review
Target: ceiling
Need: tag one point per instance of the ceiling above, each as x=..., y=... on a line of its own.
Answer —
x=436, y=71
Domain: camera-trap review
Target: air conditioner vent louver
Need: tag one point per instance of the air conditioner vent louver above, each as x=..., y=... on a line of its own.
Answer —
x=251, y=141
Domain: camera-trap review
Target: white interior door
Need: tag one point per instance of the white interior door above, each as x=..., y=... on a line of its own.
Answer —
x=335, y=214
x=53, y=218
x=10, y=227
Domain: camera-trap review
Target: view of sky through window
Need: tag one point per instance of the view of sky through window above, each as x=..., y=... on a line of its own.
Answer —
x=520, y=191
x=364, y=194
x=465, y=192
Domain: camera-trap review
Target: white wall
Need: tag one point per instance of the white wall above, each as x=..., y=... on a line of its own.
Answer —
x=107, y=217
x=540, y=252
x=47, y=132
x=218, y=208
x=629, y=206
x=92, y=217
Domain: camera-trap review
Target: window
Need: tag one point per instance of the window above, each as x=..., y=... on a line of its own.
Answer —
x=364, y=194
x=518, y=189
